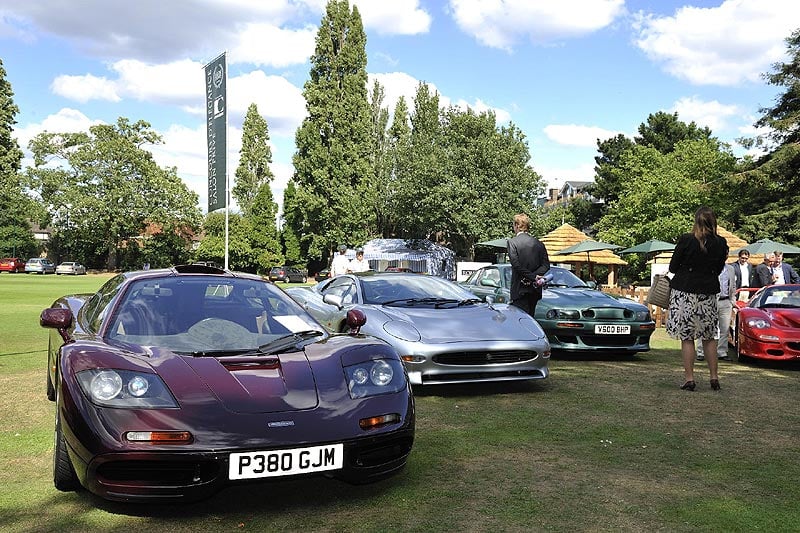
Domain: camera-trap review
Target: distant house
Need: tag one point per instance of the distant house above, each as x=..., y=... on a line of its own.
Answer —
x=568, y=192
x=42, y=235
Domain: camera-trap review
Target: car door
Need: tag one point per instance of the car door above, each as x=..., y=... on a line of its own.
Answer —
x=487, y=282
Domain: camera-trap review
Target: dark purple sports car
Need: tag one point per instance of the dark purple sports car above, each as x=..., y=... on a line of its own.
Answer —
x=171, y=384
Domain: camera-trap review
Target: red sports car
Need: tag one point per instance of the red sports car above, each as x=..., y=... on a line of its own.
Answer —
x=171, y=384
x=768, y=326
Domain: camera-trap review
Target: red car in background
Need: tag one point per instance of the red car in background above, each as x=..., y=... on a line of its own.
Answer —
x=12, y=264
x=768, y=326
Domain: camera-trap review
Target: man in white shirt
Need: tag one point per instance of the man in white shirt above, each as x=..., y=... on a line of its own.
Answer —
x=340, y=262
x=743, y=273
x=359, y=264
x=725, y=300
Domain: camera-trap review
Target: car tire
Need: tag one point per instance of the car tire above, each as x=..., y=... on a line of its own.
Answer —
x=64, y=477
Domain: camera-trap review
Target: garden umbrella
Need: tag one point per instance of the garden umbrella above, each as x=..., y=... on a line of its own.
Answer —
x=765, y=246
x=497, y=243
x=648, y=247
x=587, y=246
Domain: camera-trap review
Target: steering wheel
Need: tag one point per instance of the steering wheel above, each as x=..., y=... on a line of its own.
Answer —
x=219, y=333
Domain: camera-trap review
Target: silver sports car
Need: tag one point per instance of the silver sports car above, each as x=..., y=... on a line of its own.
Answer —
x=441, y=331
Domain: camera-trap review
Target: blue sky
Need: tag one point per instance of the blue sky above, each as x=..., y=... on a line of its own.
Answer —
x=566, y=72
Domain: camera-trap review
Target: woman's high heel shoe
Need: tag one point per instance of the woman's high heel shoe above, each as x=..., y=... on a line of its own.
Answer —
x=690, y=385
x=714, y=384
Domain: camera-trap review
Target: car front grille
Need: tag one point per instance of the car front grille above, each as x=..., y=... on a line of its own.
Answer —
x=599, y=341
x=158, y=473
x=484, y=358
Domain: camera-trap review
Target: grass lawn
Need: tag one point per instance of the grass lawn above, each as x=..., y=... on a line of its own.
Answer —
x=607, y=443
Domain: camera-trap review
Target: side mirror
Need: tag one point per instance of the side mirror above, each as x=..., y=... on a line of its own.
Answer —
x=355, y=319
x=487, y=282
x=592, y=284
x=57, y=318
x=333, y=299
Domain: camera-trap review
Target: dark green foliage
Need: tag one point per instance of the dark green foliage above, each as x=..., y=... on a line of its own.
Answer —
x=333, y=170
x=107, y=189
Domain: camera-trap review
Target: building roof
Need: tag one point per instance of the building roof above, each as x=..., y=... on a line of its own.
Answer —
x=566, y=235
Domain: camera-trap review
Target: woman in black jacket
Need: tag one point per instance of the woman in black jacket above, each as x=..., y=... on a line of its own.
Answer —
x=697, y=260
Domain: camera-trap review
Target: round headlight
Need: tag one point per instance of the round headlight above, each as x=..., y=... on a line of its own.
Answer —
x=360, y=375
x=106, y=385
x=137, y=387
x=381, y=373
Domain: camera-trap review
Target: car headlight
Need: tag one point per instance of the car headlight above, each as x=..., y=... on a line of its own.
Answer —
x=643, y=316
x=402, y=330
x=124, y=388
x=758, y=323
x=379, y=376
x=569, y=314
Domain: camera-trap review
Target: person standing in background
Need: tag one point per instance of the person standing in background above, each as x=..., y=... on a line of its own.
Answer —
x=529, y=262
x=697, y=260
x=725, y=300
x=764, y=271
x=783, y=273
x=359, y=264
x=340, y=262
x=743, y=273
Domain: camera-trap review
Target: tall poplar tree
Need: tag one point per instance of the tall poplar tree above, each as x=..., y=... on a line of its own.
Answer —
x=255, y=157
x=15, y=206
x=332, y=162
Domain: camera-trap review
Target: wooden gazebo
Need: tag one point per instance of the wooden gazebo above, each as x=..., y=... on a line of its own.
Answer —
x=566, y=235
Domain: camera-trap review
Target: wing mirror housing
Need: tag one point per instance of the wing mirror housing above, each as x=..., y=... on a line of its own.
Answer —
x=333, y=299
x=57, y=318
x=486, y=282
x=355, y=319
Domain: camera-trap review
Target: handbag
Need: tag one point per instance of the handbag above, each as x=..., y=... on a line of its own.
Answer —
x=659, y=292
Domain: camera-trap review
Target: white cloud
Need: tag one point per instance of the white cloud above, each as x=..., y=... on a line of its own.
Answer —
x=501, y=23
x=277, y=99
x=272, y=46
x=711, y=114
x=65, y=121
x=726, y=45
x=577, y=135
x=395, y=17
x=175, y=82
x=85, y=88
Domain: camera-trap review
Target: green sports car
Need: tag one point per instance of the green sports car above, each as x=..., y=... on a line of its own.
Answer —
x=575, y=316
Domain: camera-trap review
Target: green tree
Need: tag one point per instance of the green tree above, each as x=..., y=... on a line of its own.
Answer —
x=292, y=227
x=606, y=184
x=398, y=143
x=255, y=157
x=241, y=255
x=264, y=239
x=488, y=179
x=16, y=208
x=332, y=161
x=106, y=188
x=765, y=194
x=662, y=191
x=663, y=131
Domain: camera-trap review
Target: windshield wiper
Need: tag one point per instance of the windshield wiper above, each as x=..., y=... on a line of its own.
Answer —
x=469, y=301
x=291, y=340
x=219, y=353
x=412, y=301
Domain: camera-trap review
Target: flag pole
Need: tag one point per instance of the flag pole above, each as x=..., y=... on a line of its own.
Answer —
x=227, y=188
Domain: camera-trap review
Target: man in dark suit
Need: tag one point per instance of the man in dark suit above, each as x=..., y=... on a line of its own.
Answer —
x=529, y=262
x=783, y=272
x=743, y=274
x=763, y=275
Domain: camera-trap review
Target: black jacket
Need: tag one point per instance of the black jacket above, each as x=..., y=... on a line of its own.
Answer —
x=528, y=257
x=697, y=271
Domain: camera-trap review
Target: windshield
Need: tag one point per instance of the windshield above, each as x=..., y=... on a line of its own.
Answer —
x=564, y=278
x=786, y=296
x=201, y=314
x=419, y=287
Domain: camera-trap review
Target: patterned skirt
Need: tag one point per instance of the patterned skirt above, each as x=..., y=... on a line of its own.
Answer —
x=692, y=316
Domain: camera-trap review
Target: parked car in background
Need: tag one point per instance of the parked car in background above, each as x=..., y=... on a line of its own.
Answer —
x=322, y=274
x=767, y=327
x=170, y=384
x=441, y=331
x=288, y=274
x=575, y=316
x=398, y=269
x=71, y=267
x=12, y=264
x=40, y=265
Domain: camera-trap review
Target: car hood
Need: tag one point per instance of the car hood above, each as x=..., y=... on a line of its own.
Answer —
x=475, y=323
x=581, y=298
x=269, y=384
x=787, y=318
